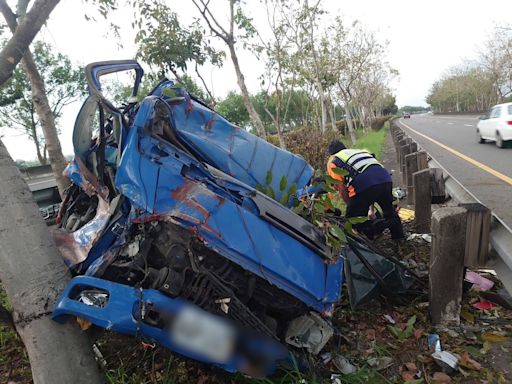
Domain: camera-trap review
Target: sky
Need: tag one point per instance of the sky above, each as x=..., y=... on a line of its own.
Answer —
x=425, y=39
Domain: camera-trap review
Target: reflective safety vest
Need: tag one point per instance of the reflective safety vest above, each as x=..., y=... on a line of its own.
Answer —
x=351, y=162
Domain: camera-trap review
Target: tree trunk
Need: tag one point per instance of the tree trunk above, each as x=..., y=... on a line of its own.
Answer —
x=40, y=157
x=333, y=115
x=42, y=105
x=33, y=274
x=255, y=118
x=323, y=108
x=40, y=101
x=14, y=50
x=348, y=118
x=277, y=124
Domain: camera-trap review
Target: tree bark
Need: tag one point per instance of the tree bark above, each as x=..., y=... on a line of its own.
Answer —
x=12, y=53
x=33, y=274
x=255, y=117
x=332, y=107
x=350, y=125
x=40, y=101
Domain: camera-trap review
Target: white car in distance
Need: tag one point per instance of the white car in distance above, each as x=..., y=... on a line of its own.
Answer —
x=496, y=125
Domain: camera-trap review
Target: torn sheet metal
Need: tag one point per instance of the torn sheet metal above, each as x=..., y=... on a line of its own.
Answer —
x=75, y=246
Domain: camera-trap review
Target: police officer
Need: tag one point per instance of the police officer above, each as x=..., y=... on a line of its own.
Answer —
x=364, y=181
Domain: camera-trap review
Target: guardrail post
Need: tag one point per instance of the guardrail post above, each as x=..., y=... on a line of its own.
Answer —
x=421, y=198
x=411, y=147
x=411, y=166
x=401, y=143
x=477, y=234
x=422, y=160
x=437, y=186
x=446, y=269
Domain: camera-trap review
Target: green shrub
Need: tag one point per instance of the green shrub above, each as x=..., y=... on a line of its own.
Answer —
x=378, y=122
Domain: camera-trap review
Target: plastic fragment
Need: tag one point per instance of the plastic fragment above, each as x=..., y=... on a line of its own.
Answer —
x=326, y=357
x=399, y=193
x=389, y=319
x=420, y=236
x=446, y=360
x=484, y=305
x=343, y=365
x=479, y=282
x=433, y=342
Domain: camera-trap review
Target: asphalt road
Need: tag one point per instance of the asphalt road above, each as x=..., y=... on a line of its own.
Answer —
x=484, y=169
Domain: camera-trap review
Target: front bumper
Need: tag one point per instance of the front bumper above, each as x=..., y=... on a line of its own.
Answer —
x=160, y=319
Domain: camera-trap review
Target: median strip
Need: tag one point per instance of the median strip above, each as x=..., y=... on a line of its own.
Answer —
x=476, y=163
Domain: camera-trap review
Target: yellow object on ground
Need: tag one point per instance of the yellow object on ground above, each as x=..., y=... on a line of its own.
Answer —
x=406, y=215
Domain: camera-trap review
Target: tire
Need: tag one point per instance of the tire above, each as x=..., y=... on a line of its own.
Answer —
x=479, y=137
x=499, y=140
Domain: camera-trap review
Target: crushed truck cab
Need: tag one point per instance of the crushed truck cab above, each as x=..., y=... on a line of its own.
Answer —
x=164, y=212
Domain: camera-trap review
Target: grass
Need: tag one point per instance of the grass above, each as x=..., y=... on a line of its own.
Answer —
x=372, y=142
x=14, y=365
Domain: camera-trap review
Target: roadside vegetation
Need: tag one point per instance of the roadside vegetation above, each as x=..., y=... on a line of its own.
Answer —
x=476, y=85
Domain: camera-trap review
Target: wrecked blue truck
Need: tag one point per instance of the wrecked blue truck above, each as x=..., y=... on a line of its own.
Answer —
x=170, y=240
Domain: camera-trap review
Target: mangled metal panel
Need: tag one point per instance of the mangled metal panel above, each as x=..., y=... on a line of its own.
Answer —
x=231, y=149
x=227, y=221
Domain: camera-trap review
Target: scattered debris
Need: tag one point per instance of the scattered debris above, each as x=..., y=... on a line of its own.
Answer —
x=501, y=297
x=389, y=319
x=484, y=305
x=446, y=360
x=343, y=365
x=310, y=332
x=434, y=344
x=399, y=193
x=479, y=282
x=423, y=236
x=406, y=215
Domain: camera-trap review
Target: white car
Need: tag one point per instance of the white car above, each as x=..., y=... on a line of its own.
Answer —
x=496, y=125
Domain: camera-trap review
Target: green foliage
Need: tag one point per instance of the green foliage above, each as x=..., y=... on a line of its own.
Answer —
x=286, y=192
x=64, y=84
x=403, y=334
x=232, y=107
x=163, y=41
x=464, y=89
x=319, y=210
x=373, y=142
x=413, y=109
x=378, y=122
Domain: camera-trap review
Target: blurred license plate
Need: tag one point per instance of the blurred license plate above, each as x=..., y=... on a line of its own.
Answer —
x=204, y=334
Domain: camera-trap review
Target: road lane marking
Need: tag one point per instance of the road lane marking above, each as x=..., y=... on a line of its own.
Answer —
x=450, y=123
x=468, y=125
x=470, y=160
x=456, y=117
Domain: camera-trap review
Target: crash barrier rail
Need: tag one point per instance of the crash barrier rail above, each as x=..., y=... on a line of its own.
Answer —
x=500, y=236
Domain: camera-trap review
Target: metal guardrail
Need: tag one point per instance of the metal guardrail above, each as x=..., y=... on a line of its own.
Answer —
x=501, y=233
